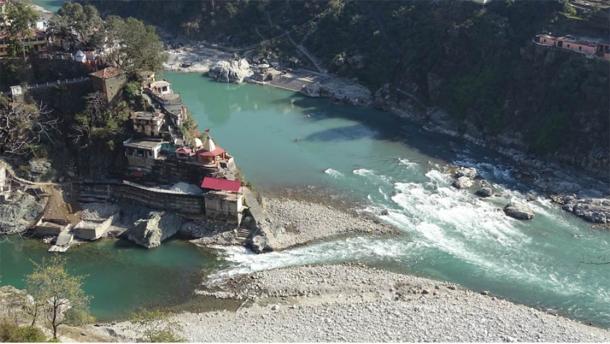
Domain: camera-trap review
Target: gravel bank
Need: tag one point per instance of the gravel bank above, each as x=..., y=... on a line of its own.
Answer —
x=356, y=303
x=295, y=222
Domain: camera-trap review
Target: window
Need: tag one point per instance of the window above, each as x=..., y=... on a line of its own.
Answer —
x=140, y=153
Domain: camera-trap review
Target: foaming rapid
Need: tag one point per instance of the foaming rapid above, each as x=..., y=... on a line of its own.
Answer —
x=358, y=248
x=454, y=235
x=406, y=162
x=333, y=173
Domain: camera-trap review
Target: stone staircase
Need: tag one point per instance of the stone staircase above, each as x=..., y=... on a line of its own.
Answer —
x=242, y=235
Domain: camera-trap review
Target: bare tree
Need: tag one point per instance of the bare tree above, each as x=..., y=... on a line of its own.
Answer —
x=23, y=126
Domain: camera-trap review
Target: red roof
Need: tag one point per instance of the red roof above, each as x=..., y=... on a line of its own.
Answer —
x=107, y=73
x=216, y=152
x=221, y=184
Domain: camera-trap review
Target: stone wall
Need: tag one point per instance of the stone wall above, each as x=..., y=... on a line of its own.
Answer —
x=173, y=170
x=222, y=206
x=185, y=204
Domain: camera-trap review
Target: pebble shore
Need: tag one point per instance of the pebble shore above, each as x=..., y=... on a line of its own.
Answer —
x=358, y=303
x=296, y=222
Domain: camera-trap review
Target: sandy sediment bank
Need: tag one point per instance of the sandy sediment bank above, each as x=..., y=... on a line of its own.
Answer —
x=357, y=303
x=294, y=222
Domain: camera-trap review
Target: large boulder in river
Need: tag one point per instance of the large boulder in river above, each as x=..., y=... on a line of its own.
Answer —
x=341, y=90
x=159, y=226
x=231, y=71
x=519, y=211
x=462, y=182
x=485, y=189
x=462, y=171
x=258, y=244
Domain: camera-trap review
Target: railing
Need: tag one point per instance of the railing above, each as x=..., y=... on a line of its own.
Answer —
x=56, y=83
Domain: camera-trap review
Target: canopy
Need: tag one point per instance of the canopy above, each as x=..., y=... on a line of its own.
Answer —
x=221, y=184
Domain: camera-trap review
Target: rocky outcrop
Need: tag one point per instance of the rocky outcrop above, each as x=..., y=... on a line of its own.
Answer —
x=462, y=182
x=150, y=232
x=19, y=212
x=463, y=176
x=519, y=211
x=340, y=90
x=485, y=189
x=258, y=244
x=595, y=210
x=231, y=71
x=40, y=170
x=469, y=172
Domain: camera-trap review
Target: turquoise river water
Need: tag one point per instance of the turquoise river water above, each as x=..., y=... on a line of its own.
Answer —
x=281, y=140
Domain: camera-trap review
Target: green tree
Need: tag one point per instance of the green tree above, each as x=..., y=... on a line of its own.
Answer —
x=60, y=295
x=11, y=332
x=22, y=18
x=136, y=45
x=82, y=25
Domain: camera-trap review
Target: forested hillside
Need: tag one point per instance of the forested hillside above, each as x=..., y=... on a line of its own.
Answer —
x=478, y=63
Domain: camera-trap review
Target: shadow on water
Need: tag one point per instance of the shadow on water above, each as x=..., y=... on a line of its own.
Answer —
x=387, y=126
x=352, y=132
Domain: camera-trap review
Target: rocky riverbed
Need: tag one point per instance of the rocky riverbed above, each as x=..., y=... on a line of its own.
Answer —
x=358, y=303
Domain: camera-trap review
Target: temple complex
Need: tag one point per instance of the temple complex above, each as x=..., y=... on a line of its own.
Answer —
x=163, y=151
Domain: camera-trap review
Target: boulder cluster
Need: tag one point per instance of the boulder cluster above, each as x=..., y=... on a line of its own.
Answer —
x=468, y=177
x=231, y=71
x=595, y=210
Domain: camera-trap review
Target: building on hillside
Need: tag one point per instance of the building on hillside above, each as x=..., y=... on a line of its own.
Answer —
x=162, y=92
x=80, y=56
x=17, y=94
x=223, y=199
x=109, y=81
x=592, y=47
x=146, y=77
x=212, y=155
x=141, y=154
x=161, y=88
x=169, y=102
x=148, y=123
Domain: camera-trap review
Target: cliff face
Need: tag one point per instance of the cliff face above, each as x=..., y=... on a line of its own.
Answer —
x=477, y=63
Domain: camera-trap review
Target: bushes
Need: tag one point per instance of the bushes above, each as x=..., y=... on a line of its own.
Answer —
x=162, y=336
x=10, y=332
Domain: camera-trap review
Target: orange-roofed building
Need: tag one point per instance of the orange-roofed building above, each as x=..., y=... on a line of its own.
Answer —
x=109, y=81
